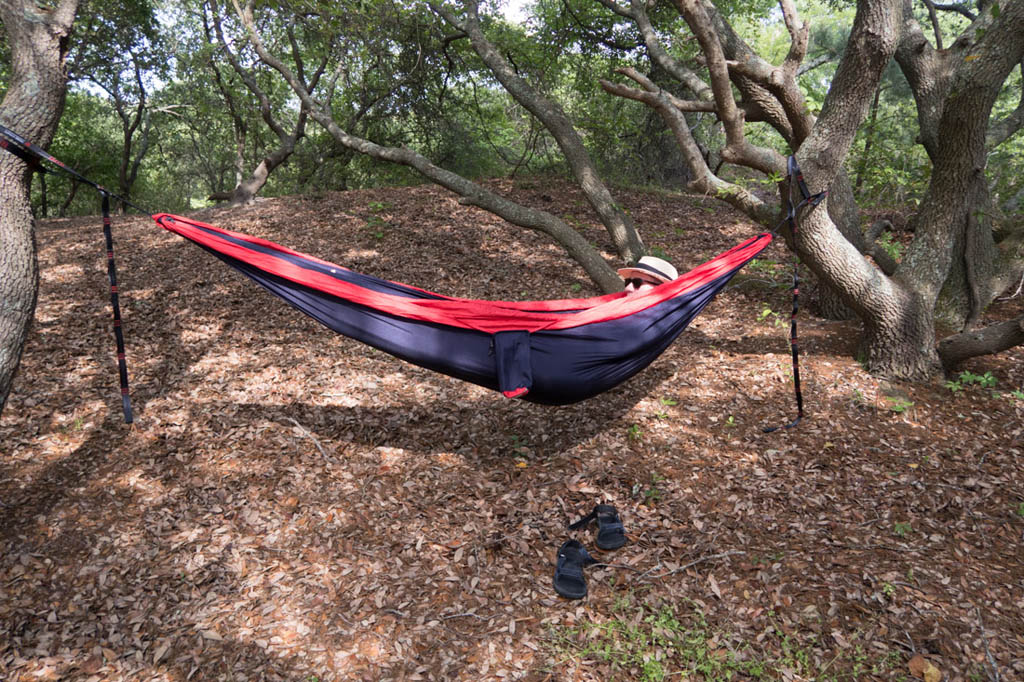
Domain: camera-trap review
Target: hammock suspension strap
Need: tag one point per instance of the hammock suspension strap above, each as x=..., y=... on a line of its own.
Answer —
x=32, y=155
x=796, y=181
x=122, y=363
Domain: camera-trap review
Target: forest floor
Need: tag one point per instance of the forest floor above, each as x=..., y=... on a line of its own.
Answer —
x=292, y=505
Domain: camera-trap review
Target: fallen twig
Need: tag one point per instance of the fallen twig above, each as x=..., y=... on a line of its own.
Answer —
x=994, y=673
x=307, y=433
x=693, y=563
x=465, y=615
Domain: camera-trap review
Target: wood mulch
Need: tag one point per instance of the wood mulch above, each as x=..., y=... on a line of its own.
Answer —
x=292, y=505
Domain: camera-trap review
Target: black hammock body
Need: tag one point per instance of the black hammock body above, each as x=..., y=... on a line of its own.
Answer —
x=549, y=352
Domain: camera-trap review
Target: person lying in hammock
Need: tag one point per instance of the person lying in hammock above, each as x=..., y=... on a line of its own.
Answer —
x=648, y=273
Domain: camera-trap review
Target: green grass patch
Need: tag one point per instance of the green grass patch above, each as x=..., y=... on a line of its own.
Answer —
x=654, y=642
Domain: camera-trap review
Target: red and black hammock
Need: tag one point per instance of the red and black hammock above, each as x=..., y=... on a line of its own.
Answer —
x=548, y=352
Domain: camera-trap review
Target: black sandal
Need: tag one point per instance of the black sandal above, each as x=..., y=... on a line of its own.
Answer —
x=610, y=532
x=572, y=559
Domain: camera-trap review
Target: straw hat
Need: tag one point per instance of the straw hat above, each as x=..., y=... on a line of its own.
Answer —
x=649, y=266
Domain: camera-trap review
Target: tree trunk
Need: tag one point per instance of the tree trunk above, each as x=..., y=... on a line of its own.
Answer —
x=31, y=107
x=70, y=197
x=842, y=208
x=968, y=288
x=899, y=341
x=19, y=275
x=245, y=192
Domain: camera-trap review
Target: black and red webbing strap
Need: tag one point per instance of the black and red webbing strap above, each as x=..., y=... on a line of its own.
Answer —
x=115, y=305
x=19, y=151
x=796, y=180
x=32, y=155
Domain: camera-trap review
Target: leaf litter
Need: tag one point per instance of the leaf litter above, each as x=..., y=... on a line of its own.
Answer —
x=291, y=504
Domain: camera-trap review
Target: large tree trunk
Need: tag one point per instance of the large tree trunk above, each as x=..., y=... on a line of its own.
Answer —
x=19, y=276
x=969, y=289
x=898, y=331
x=842, y=208
x=32, y=107
x=247, y=188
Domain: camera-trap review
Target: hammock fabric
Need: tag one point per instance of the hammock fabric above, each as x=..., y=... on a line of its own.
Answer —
x=549, y=352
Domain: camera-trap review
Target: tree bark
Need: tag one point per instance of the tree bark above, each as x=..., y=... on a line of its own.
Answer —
x=245, y=192
x=995, y=338
x=31, y=107
x=955, y=91
x=898, y=331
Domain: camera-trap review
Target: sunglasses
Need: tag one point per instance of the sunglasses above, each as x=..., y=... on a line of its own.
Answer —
x=637, y=282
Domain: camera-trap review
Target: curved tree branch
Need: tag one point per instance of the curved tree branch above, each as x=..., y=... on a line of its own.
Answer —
x=737, y=150
x=637, y=11
x=933, y=16
x=619, y=225
x=957, y=7
x=246, y=189
x=705, y=182
x=994, y=338
x=575, y=244
x=1002, y=130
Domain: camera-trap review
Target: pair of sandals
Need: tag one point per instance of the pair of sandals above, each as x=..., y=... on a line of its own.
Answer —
x=573, y=556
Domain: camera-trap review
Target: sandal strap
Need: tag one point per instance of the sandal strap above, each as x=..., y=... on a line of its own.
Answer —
x=612, y=527
x=584, y=521
x=570, y=570
x=607, y=517
x=572, y=566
